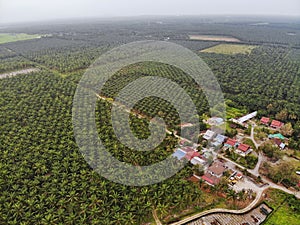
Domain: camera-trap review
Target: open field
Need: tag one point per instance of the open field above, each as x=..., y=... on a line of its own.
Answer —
x=230, y=49
x=7, y=37
x=232, y=112
x=283, y=212
x=213, y=38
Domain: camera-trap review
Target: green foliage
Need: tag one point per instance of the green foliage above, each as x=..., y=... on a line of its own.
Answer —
x=286, y=208
x=271, y=151
x=248, y=141
x=43, y=176
x=249, y=161
x=283, y=172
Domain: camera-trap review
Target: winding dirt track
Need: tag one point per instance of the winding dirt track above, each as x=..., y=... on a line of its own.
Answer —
x=19, y=72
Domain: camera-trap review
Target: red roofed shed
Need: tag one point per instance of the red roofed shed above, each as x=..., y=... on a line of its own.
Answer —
x=212, y=180
x=276, y=124
x=231, y=142
x=191, y=155
x=265, y=120
x=244, y=147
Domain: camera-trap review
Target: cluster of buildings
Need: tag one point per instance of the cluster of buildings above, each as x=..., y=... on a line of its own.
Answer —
x=214, y=138
x=191, y=154
x=242, y=121
x=278, y=139
x=217, y=140
x=239, y=148
x=274, y=124
x=214, y=171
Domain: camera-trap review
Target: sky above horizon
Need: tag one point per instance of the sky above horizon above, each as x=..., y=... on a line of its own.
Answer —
x=12, y=11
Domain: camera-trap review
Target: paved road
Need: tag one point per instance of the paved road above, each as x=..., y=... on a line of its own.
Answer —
x=261, y=158
x=252, y=136
x=255, y=171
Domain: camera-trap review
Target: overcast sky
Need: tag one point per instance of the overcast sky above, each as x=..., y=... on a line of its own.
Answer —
x=38, y=10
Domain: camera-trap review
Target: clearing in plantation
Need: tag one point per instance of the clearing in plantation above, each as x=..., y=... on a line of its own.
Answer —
x=230, y=49
x=7, y=37
x=213, y=38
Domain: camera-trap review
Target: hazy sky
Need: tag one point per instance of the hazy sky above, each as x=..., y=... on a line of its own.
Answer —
x=37, y=10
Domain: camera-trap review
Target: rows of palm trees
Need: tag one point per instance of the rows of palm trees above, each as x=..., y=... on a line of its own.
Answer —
x=44, y=178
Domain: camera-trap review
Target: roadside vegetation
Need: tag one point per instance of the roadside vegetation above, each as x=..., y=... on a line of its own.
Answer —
x=249, y=161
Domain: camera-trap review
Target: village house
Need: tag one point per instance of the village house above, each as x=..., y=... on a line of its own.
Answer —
x=242, y=121
x=265, y=121
x=276, y=124
x=214, y=173
x=215, y=121
x=279, y=136
x=243, y=149
x=191, y=154
x=209, y=135
x=218, y=140
x=198, y=160
x=179, y=154
x=279, y=143
x=231, y=143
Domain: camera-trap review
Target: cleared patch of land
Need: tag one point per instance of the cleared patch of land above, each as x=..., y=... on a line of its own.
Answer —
x=285, y=211
x=15, y=73
x=12, y=37
x=230, y=49
x=213, y=38
x=232, y=112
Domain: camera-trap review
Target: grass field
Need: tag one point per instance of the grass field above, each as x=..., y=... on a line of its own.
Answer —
x=230, y=49
x=232, y=112
x=283, y=213
x=6, y=37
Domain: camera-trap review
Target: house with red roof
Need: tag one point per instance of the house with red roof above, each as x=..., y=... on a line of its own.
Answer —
x=214, y=173
x=231, y=143
x=210, y=179
x=276, y=124
x=191, y=155
x=216, y=169
x=243, y=149
x=265, y=120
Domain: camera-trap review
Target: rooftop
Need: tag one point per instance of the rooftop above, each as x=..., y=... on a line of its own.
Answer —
x=210, y=179
x=276, y=123
x=247, y=117
x=243, y=147
x=191, y=155
x=231, y=142
x=280, y=136
x=265, y=120
x=217, y=168
x=197, y=160
x=208, y=135
x=179, y=154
